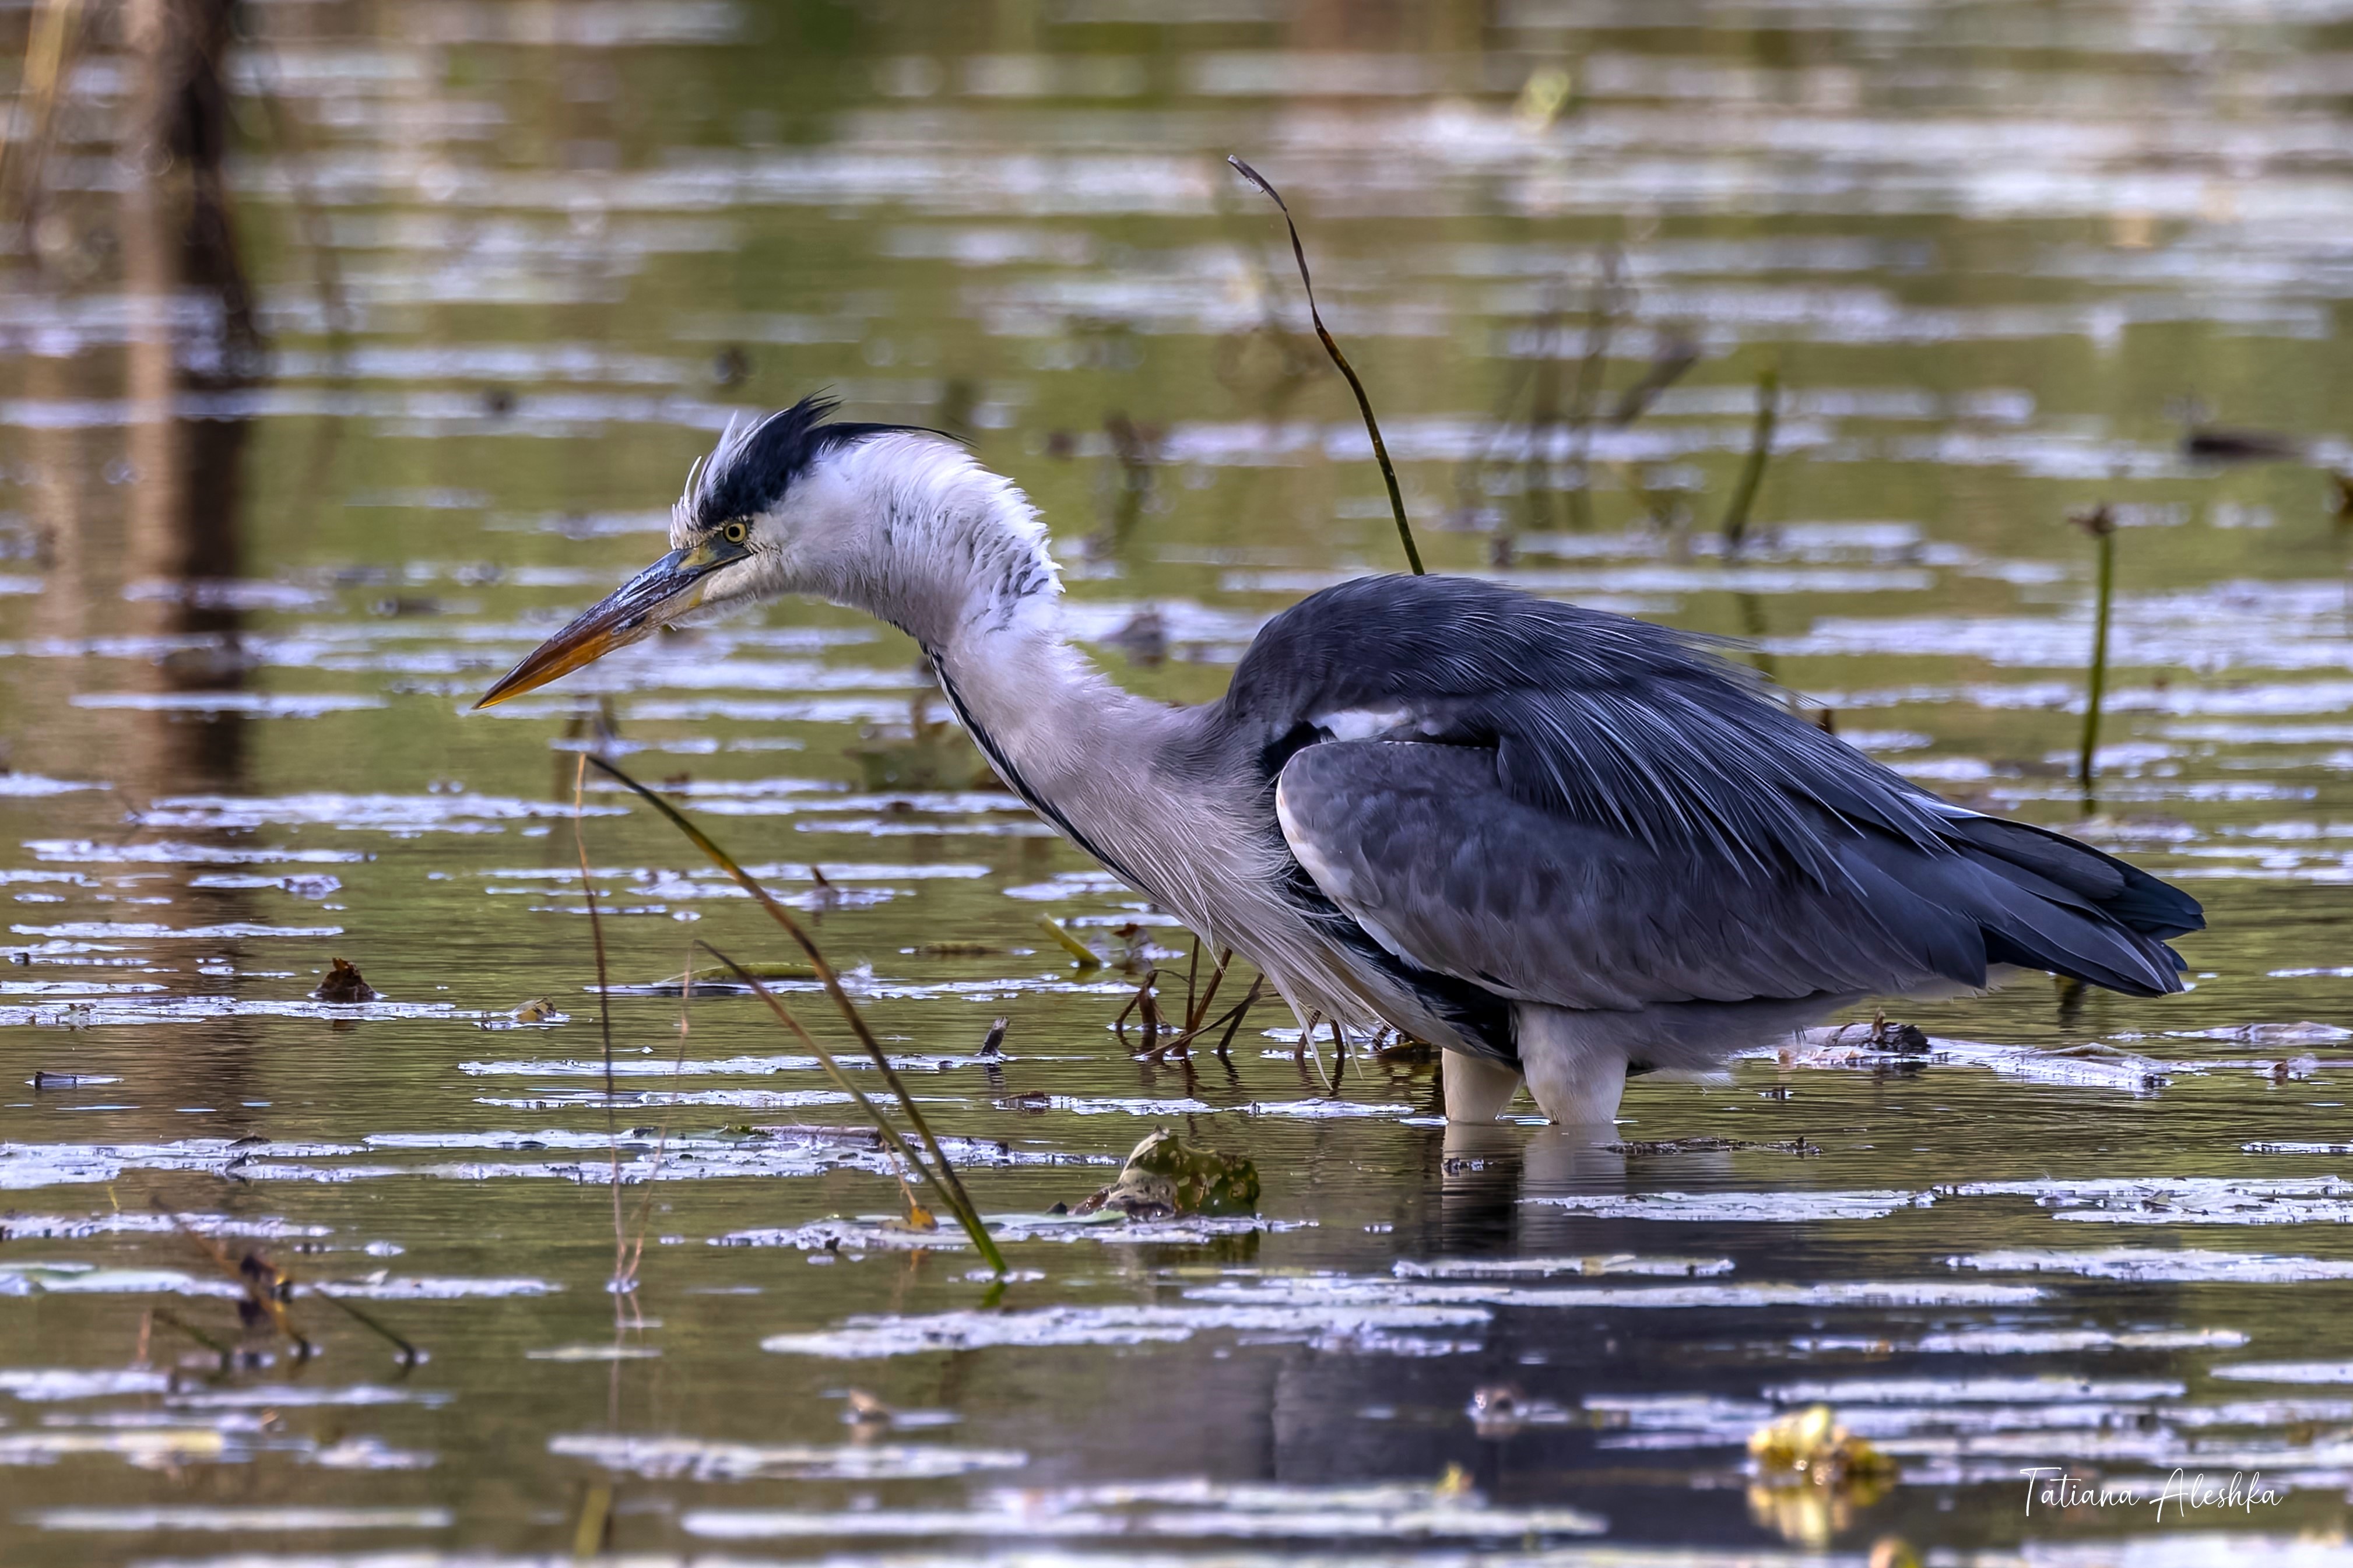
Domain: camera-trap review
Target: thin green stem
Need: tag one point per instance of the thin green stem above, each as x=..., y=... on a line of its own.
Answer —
x=2106, y=542
x=1752, y=472
x=950, y=1183
x=959, y=1204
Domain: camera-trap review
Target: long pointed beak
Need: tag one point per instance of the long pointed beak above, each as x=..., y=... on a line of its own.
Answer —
x=663, y=590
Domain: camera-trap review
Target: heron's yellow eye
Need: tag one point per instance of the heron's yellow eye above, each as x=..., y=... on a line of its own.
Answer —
x=733, y=532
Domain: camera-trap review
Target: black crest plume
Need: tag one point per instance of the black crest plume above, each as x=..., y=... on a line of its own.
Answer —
x=757, y=461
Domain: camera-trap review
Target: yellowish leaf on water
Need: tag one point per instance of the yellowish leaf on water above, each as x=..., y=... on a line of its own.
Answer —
x=1811, y=1474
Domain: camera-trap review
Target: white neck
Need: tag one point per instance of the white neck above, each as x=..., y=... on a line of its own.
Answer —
x=913, y=531
x=910, y=530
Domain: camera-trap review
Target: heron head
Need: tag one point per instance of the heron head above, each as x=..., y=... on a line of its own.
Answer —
x=757, y=521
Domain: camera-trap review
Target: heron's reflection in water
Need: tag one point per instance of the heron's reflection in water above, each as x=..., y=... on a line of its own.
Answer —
x=1499, y=1174
x=1496, y=1176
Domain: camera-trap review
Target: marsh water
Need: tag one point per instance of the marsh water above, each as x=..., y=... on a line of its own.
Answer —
x=512, y=265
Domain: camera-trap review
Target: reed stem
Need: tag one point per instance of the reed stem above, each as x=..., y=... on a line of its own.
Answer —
x=1364, y=402
x=1752, y=472
x=2101, y=524
x=950, y=1184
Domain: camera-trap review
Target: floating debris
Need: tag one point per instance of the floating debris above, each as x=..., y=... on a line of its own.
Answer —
x=1854, y=1046
x=1810, y=1474
x=2183, y=1200
x=1717, y=1208
x=2306, y=1033
x=1501, y=1410
x=2155, y=1264
x=1084, y=956
x=344, y=984
x=1182, y=1509
x=44, y=1080
x=717, y=980
x=1394, y=1329
x=1340, y=1291
x=539, y=1013
x=696, y=1459
x=225, y=1519
x=1165, y=1178
x=887, y=1233
x=2280, y=1372
x=2026, y=1342
x=2216, y=444
x=1797, y=1146
x=1590, y=1266
x=1930, y=1391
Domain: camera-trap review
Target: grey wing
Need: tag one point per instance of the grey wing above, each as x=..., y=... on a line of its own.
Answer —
x=1428, y=849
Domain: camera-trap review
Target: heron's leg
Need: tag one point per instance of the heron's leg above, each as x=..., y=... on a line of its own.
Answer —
x=1477, y=1089
x=1576, y=1065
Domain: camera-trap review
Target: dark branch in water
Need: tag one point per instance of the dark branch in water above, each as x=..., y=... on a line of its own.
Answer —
x=1195, y=1012
x=409, y=1354
x=1233, y=1020
x=1140, y=1000
x=1674, y=356
x=2211, y=444
x=1364, y=404
x=266, y=1289
x=171, y=1320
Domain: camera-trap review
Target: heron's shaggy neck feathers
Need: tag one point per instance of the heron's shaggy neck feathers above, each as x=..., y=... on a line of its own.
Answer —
x=915, y=532
x=910, y=528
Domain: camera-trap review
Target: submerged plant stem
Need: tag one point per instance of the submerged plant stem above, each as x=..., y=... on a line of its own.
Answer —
x=262, y=1293
x=174, y=1321
x=2100, y=524
x=1195, y=1013
x=1752, y=472
x=1364, y=402
x=595, y=931
x=604, y=1017
x=1240, y=1012
x=409, y=1354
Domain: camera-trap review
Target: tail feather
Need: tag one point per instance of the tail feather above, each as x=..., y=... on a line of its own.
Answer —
x=2123, y=892
x=2015, y=913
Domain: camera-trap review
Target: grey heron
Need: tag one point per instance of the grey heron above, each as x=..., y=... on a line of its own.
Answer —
x=1562, y=845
